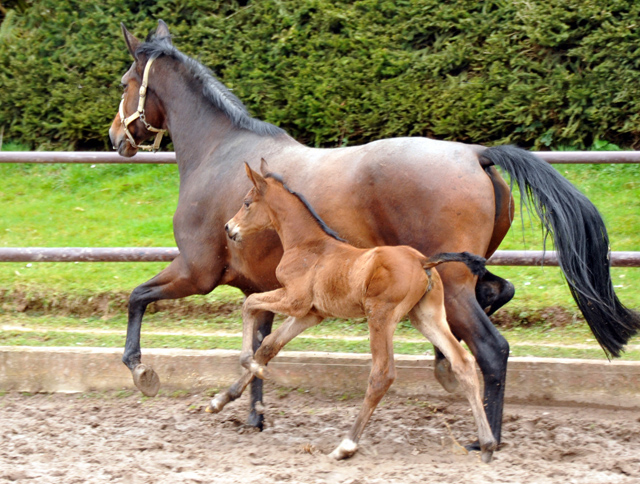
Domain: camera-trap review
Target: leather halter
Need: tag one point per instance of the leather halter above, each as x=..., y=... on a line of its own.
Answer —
x=140, y=114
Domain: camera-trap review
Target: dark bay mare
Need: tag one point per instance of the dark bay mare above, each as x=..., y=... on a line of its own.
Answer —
x=435, y=196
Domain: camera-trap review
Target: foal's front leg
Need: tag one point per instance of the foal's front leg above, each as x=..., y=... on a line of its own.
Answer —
x=270, y=347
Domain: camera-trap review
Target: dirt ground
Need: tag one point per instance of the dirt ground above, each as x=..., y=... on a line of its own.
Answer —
x=111, y=438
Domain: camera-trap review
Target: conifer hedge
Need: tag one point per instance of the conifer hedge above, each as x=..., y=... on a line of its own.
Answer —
x=533, y=72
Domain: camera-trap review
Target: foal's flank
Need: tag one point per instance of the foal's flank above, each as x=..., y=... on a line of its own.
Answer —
x=323, y=276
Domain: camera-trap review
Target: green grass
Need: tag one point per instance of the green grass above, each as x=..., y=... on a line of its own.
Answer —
x=132, y=205
x=53, y=338
x=161, y=331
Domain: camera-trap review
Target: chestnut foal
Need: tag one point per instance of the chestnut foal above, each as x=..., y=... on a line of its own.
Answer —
x=323, y=276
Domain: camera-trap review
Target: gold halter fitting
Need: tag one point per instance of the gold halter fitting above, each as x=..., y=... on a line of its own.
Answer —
x=140, y=114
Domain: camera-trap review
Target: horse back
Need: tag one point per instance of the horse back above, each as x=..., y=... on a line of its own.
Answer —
x=431, y=195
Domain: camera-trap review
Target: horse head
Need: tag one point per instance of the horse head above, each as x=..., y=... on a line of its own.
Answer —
x=253, y=216
x=140, y=114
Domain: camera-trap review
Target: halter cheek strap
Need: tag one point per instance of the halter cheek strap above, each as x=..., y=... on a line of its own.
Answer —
x=140, y=114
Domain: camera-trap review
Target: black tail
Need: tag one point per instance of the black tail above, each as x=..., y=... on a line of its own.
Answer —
x=581, y=241
x=475, y=263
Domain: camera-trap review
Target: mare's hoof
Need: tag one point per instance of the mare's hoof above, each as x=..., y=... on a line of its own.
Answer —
x=256, y=419
x=345, y=450
x=444, y=374
x=146, y=380
x=486, y=452
x=473, y=446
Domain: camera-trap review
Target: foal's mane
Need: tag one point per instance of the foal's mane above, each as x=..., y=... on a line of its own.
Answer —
x=327, y=230
x=212, y=89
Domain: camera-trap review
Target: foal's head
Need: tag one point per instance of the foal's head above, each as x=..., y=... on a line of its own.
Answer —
x=253, y=216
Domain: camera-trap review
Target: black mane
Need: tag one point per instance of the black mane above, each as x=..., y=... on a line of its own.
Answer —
x=327, y=230
x=212, y=89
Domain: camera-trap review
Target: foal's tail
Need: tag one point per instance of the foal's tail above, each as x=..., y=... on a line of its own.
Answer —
x=580, y=239
x=475, y=263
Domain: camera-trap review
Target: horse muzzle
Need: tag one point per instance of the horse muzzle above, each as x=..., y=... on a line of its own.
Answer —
x=120, y=144
x=233, y=231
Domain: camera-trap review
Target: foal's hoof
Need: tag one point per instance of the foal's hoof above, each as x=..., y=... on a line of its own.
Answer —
x=444, y=374
x=217, y=403
x=146, y=380
x=345, y=450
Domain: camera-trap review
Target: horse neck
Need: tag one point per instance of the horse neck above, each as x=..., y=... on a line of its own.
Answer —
x=293, y=222
x=199, y=131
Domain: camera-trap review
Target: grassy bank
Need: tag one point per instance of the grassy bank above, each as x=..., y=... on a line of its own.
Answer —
x=224, y=332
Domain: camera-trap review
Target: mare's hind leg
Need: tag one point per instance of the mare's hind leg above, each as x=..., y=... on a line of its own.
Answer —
x=428, y=316
x=470, y=323
x=382, y=325
x=172, y=283
x=492, y=292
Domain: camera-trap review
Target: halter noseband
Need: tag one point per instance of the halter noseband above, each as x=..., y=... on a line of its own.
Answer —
x=140, y=114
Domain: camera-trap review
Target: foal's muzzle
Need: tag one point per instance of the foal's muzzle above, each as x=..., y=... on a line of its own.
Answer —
x=233, y=231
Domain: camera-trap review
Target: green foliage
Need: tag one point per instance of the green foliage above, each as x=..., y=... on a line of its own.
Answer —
x=538, y=73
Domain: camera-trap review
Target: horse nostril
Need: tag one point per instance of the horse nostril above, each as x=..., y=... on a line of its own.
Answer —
x=226, y=228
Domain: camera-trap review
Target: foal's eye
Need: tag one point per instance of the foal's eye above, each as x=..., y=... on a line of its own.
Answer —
x=247, y=203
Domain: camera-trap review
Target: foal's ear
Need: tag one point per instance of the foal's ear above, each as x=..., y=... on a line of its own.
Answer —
x=131, y=41
x=255, y=178
x=163, y=30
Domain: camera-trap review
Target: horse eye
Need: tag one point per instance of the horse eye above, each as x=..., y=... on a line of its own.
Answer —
x=247, y=203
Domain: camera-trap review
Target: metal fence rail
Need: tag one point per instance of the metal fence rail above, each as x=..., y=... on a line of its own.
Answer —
x=168, y=157
x=165, y=254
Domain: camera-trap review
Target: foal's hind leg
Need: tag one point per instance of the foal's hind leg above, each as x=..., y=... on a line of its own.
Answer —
x=428, y=316
x=381, y=328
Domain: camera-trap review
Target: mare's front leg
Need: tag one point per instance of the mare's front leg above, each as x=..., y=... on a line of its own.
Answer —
x=264, y=324
x=174, y=282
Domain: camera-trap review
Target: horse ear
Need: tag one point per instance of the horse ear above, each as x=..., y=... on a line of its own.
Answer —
x=131, y=41
x=255, y=178
x=163, y=30
x=264, y=167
